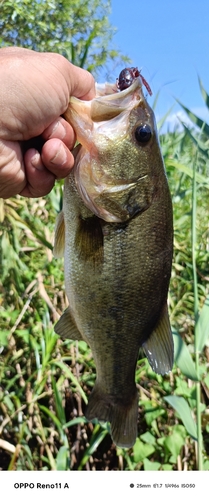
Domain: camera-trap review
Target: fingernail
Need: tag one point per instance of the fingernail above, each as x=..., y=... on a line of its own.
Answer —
x=36, y=161
x=60, y=157
x=58, y=128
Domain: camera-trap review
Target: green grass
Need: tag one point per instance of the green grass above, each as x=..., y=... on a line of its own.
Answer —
x=45, y=383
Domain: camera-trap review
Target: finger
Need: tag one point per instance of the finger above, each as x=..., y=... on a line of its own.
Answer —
x=57, y=158
x=60, y=129
x=39, y=180
x=81, y=83
x=12, y=175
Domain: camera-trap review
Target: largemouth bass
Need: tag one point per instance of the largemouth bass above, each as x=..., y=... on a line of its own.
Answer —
x=115, y=232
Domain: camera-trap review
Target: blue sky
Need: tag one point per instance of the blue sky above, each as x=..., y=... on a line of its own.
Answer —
x=169, y=40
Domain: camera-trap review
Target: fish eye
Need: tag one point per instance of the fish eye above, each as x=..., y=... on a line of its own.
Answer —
x=143, y=133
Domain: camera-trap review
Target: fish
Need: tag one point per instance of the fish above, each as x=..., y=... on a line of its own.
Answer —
x=115, y=232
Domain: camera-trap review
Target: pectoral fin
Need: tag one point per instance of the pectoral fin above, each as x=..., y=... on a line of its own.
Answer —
x=159, y=348
x=59, y=238
x=66, y=327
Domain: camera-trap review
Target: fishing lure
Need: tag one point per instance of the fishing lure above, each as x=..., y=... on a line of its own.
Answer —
x=127, y=76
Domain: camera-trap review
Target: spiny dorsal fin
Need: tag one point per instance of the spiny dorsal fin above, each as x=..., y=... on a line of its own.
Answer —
x=59, y=238
x=89, y=240
x=159, y=346
x=66, y=327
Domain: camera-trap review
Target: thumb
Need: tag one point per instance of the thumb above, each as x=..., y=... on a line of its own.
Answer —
x=81, y=83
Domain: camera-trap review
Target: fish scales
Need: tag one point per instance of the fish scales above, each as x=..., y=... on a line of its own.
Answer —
x=117, y=272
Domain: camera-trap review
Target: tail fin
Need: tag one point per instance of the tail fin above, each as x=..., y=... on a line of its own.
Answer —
x=122, y=418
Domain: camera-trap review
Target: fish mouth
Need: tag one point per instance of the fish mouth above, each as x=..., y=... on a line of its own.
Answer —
x=107, y=106
x=113, y=91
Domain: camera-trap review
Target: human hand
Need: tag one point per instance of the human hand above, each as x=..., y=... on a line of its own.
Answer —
x=35, y=90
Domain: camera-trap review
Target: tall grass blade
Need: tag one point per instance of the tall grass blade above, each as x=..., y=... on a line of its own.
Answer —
x=72, y=58
x=188, y=171
x=50, y=415
x=70, y=375
x=204, y=93
x=87, y=47
x=184, y=412
x=195, y=119
x=196, y=316
x=161, y=122
x=58, y=403
x=203, y=147
x=183, y=357
x=97, y=437
x=62, y=458
x=154, y=104
x=203, y=326
x=75, y=421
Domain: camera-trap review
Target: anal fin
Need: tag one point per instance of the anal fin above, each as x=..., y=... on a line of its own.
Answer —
x=159, y=347
x=66, y=327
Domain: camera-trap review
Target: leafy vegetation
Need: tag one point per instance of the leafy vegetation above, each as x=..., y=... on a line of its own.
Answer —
x=44, y=382
x=78, y=29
